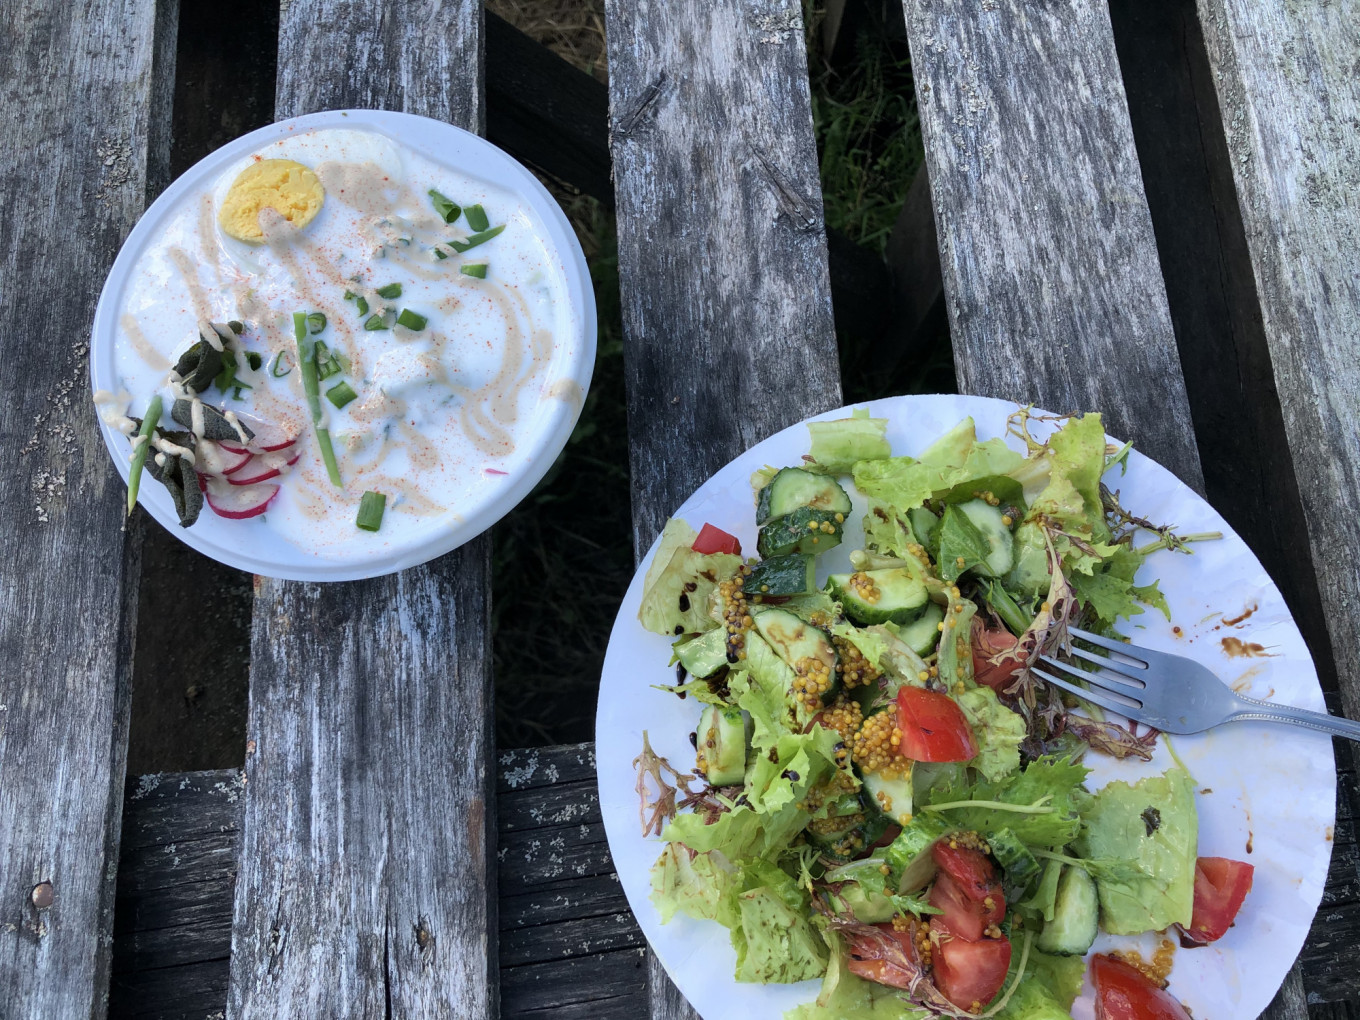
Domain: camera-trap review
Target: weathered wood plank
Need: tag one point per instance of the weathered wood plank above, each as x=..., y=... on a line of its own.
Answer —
x=1290, y=101
x=1046, y=247
x=568, y=941
x=365, y=885
x=722, y=254
x=84, y=143
x=722, y=249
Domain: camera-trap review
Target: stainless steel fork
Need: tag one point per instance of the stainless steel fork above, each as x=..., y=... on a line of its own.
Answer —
x=1173, y=693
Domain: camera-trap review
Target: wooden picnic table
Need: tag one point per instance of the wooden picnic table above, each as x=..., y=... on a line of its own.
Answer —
x=378, y=856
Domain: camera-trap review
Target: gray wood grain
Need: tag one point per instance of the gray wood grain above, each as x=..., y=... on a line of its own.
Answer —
x=722, y=249
x=1290, y=99
x=366, y=887
x=77, y=117
x=1050, y=268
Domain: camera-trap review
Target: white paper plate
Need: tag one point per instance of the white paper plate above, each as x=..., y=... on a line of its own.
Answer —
x=251, y=546
x=1267, y=793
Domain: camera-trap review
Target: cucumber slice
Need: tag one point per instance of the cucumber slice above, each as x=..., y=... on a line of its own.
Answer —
x=987, y=519
x=676, y=599
x=791, y=488
x=890, y=796
x=795, y=574
x=794, y=639
x=893, y=595
x=806, y=530
x=1076, y=914
x=704, y=655
x=926, y=526
x=721, y=743
x=923, y=633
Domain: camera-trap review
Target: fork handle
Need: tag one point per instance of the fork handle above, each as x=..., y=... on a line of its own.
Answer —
x=1265, y=711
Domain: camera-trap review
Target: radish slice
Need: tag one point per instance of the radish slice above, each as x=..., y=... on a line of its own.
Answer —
x=237, y=502
x=217, y=459
x=264, y=466
x=276, y=446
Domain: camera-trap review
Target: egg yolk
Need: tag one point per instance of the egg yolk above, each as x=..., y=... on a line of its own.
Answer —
x=284, y=185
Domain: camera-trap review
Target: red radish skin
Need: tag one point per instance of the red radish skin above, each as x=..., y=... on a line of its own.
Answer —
x=262, y=468
x=237, y=503
x=218, y=459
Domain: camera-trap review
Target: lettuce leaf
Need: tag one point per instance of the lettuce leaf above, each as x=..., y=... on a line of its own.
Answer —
x=761, y=687
x=838, y=445
x=1048, y=988
x=1049, y=788
x=701, y=887
x=999, y=732
x=956, y=461
x=1153, y=827
x=847, y=997
x=773, y=937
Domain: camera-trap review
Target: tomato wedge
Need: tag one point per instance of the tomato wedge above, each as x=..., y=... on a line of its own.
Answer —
x=715, y=540
x=962, y=916
x=969, y=974
x=891, y=960
x=1122, y=993
x=1221, y=885
x=933, y=727
x=971, y=869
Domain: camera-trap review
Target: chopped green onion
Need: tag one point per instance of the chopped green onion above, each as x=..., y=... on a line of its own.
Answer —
x=326, y=369
x=278, y=364
x=477, y=269
x=342, y=361
x=236, y=391
x=313, y=391
x=326, y=363
x=226, y=380
x=392, y=290
x=448, y=211
x=371, y=508
x=359, y=300
x=376, y=322
x=481, y=237
x=476, y=217
x=316, y=322
x=254, y=360
x=411, y=320
x=341, y=394
x=149, y=423
x=236, y=326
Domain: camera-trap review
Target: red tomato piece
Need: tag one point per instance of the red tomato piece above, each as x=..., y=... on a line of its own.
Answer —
x=1221, y=885
x=971, y=869
x=933, y=727
x=891, y=960
x=1123, y=993
x=715, y=540
x=962, y=915
x=969, y=974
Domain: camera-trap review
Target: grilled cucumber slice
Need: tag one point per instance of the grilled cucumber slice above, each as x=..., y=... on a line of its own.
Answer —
x=806, y=530
x=794, y=639
x=704, y=655
x=892, y=595
x=794, y=487
x=795, y=574
x=891, y=797
x=721, y=745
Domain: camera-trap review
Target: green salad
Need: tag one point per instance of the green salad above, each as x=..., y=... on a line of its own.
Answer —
x=890, y=801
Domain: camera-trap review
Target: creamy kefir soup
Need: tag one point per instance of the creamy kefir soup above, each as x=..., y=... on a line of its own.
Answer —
x=437, y=335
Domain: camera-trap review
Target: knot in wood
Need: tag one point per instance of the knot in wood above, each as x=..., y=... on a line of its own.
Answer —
x=43, y=895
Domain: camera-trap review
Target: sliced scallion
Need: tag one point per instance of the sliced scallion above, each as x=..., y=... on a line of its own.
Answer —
x=470, y=242
x=341, y=394
x=148, y=429
x=476, y=217
x=392, y=290
x=477, y=269
x=254, y=360
x=313, y=391
x=447, y=209
x=359, y=300
x=371, y=508
x=316, y=322
x=282, y=365
x=411, y=320
x=377, y=321
x=236, y=326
